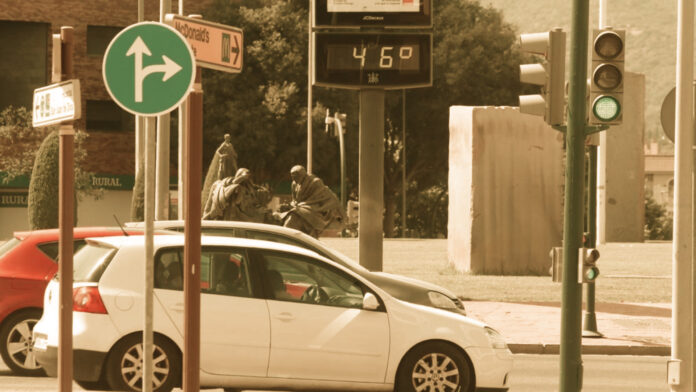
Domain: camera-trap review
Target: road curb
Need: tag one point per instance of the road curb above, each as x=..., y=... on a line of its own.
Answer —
x=593, y=349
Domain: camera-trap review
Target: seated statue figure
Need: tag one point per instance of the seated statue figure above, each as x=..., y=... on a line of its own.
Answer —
x=237, y=199
x=313, y=207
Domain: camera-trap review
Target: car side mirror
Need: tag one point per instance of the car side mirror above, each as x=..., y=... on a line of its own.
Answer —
x=370, y=302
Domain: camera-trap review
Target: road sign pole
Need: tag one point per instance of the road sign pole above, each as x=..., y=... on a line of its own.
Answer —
x=192, y=239
x=150, y=156
x=570, y=352
x=163, y=149
x=589, y=329
x=371, y=184
x=66, y=207
x=680, y=374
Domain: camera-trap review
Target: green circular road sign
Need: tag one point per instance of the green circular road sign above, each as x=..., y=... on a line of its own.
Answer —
x=148, y=68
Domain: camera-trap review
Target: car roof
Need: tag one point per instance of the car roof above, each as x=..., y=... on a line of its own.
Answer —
x=164, y=241
x=163, y=224
x=78, y=233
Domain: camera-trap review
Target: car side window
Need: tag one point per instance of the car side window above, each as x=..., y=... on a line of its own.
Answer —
x=291, y=277
x=168, y=270
x=228, y=272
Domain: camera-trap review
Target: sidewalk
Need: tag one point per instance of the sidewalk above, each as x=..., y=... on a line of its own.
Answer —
x=534, y=328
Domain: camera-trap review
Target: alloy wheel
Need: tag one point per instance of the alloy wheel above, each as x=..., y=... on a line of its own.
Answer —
x=435, y=372
x=132, y=367
x=20, y=344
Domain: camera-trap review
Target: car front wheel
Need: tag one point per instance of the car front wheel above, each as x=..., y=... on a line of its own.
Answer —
x=17, y=344
x=124, y=370
x=435, y=367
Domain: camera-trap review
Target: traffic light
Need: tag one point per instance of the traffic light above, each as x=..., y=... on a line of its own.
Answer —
x=607, y=76
x=551, y=75
x=587, y=265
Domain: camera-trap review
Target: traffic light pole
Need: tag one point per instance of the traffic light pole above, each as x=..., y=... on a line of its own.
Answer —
x=589, y=329
x=571, y=338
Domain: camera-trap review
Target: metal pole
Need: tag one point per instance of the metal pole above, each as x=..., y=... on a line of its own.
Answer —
x=341, y=147
x=192, y=234
x=139, y=120
x=589, y=329
x=570, y=358
x=309, y=89
x=183, y=123
x=371, y=187
x=149, y=215
x=403, y=162
x=66, y=221
x=163, y=150
x=682, y=339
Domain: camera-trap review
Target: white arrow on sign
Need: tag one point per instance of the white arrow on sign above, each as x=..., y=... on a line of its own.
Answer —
x=169, y=68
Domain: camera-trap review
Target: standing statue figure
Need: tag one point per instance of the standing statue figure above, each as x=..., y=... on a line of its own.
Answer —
x=238, y=199
x=227, y=159
x=313, y=207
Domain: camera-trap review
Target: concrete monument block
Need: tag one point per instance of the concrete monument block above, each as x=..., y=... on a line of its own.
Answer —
x=505, y=191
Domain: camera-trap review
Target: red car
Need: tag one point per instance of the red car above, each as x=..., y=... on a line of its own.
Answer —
x=28, y=261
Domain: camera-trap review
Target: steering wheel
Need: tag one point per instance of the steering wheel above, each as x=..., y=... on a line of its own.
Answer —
x=314, y=295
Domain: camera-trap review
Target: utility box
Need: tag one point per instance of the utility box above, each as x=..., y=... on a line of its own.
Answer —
x=505, y=191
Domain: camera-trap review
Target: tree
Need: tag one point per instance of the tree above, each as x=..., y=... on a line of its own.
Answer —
x=16, y=130
x=264, y=107
x=43, y=184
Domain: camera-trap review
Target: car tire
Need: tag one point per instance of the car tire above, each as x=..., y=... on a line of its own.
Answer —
x=436, y=366
x=17, y=344
x=124, y=365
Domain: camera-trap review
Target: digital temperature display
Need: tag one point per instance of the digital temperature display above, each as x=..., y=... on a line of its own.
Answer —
x=388, y=60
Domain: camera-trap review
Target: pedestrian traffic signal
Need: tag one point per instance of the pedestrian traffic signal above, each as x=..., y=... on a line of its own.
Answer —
x=551, y=75
x=587, y=265
x=607, y=76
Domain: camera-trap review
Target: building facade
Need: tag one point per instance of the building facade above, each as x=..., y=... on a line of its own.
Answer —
x=25, y=41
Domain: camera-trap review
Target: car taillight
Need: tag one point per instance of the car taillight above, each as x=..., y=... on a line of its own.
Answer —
x=87, y=299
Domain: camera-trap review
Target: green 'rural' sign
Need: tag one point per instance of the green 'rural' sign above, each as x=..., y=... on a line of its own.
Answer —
x=148, y=68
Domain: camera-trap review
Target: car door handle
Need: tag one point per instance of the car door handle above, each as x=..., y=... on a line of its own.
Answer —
x=177, y=307
x=285, y=316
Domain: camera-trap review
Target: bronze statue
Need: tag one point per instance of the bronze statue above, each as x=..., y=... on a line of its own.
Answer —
x=238, y=199
x=313, y=207
x=227, y=158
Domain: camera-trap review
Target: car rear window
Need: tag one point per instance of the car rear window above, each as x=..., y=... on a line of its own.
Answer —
x=51, y=249
x=91, y=261
x=8, y=246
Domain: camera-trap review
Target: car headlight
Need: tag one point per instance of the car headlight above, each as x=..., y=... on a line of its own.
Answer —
x=440, y=300
x=495, y=338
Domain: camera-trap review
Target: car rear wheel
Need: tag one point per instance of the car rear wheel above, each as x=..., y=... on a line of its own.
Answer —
x=124, y=370
x=435, y=367
x=17, y=343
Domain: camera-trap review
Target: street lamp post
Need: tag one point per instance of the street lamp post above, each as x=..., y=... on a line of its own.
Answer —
x=339, y=121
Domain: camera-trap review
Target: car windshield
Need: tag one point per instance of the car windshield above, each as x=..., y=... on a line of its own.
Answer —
x=8, y=246
x=91, y=261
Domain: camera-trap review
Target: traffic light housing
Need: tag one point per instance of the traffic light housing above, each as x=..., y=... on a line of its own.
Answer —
x=587, y=265
x=607, y=77
x=550, y=75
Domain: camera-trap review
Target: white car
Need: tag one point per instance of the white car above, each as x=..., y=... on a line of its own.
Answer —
x=401, y=287
x=273, y=316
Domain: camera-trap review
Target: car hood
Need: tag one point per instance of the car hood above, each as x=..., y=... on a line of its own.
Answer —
x=406, y=289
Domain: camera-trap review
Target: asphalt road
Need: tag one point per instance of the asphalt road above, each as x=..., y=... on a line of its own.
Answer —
x=531, y=373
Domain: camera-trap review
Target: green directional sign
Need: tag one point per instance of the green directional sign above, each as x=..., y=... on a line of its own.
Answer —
x=148, y=68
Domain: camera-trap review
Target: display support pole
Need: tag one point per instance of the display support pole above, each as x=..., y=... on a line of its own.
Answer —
x=371, y=187
x=66, y=222
x=192, y=234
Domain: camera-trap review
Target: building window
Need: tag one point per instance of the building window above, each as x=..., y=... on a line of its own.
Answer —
x=99, y=37
x=108, y=116
x=24, y=48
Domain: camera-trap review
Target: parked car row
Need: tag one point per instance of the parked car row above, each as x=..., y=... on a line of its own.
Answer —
x=279, y=310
